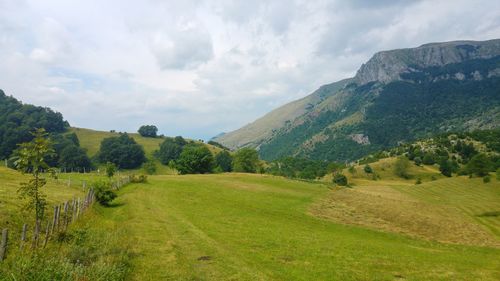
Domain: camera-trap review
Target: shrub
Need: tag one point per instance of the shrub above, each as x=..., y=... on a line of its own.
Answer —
x=401, y=167
x=149, y=167
x=419, y=181
x=138, y=178
x=418, y=161
x=352, y=170
x=110, y=169
x=103, y=193
x=368, y=169
x=340, y=179
x=486, y=179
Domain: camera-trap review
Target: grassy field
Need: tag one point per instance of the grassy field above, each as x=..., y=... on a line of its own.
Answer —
x=252, y=227
x=91, y=141
x=258, y=227
x=11, y=214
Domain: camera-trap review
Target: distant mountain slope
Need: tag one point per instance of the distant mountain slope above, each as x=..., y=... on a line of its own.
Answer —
x=396, y=96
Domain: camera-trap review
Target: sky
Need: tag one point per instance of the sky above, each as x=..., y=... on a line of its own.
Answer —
x=198, y=68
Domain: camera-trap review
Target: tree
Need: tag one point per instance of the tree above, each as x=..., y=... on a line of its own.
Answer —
x=429, y=159
x=246, y=160
x=368, y=169
x=74, y=158
x=110, y=169
x=195, y=159
x=418, y=161
x=448, y=167
x=479, y=165
x=123, y=151
x=30, y=158
x=224, y=161
x=401, y=167
x=340, y=179
x=170, y=150
x=148, y=131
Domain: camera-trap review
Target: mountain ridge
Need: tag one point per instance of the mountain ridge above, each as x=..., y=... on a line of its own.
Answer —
x=439, y=79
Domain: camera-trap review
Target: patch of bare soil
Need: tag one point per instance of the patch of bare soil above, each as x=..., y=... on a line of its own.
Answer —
x=384, y=208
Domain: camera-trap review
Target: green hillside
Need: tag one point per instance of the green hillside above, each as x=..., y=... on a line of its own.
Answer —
x=258, y=227
x=397, y=96
x=91, y=140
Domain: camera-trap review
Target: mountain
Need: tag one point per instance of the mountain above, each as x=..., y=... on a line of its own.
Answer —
x=397, y=96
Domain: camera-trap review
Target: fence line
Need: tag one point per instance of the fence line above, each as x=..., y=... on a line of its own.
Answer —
x=64, y=214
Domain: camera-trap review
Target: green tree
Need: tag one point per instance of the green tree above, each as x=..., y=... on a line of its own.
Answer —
x=447, y=167
x=224, y=161
x=368, y=169
x=479, y=165
x=429, y=159
x=170, y=149
x=340, y=179
x=75, y=158
x=149, y=131
x=401, y=167
x=246, y=160
x=30, y=158
x=418, y=161
x=195, y=159
x=123, y=151
x=110, y=169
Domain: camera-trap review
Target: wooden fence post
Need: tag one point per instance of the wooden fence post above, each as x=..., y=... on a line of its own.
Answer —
x=36, y=233
x=47, y=234
x=23, y=235
x=3, y=244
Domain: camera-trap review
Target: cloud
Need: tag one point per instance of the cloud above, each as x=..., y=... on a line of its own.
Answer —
x=199, y=67
x=185, y=48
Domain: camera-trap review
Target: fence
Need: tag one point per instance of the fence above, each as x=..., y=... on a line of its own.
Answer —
x=64, y=214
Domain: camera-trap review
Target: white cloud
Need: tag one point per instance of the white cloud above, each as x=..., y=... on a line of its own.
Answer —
x=200, y=67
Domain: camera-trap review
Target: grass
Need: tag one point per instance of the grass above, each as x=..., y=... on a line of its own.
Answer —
x=252, y=227
x=91, y=141
x=256, y=227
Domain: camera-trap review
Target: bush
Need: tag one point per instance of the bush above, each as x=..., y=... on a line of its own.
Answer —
x=103, y=193
x=110, y=169
x=368, y=169
x=419, y=181
x=486, y=179
x=340, y=179
x=401, y=167
x=170, y=150
x=138, y=178
x=352, y=170
x=149, y=167
x=418, y=161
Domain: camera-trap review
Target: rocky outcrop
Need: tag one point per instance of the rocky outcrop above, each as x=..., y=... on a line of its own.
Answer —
x=387, y=66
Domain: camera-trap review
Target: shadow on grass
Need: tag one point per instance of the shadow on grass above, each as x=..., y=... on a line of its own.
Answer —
x=490, y=214
x=115, y=205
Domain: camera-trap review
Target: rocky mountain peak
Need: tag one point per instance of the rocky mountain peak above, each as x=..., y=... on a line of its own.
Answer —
x=386, y=66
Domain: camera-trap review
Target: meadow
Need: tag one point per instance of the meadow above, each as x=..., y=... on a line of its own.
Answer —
x=261, y=227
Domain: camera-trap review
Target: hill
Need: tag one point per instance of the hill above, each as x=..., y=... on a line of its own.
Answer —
x=397, y=96
x=248, y=227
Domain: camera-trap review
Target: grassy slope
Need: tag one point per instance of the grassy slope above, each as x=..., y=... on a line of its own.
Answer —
x=91, y=140
x=251, y=227
x=11, y=215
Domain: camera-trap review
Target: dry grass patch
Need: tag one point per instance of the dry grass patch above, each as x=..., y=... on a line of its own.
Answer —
x=385, y=208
